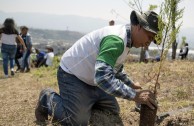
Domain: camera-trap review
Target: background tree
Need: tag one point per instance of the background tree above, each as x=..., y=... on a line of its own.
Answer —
x=176, y=15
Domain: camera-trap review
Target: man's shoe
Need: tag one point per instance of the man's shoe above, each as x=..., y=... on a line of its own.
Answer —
x=41, y=112
x=18, y=69
x=21, y=70
x=28, y=70
x=6, y=76
x=12, y=73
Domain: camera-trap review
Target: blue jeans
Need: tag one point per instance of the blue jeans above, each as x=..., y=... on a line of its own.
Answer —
x=8, y=53
x=25, y=63
x=76, y=100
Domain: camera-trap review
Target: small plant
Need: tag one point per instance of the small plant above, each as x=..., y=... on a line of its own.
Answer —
x=167, y=18
x=167, y=34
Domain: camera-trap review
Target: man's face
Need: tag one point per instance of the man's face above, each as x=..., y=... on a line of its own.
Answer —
x=24, y=31
x=141, y=37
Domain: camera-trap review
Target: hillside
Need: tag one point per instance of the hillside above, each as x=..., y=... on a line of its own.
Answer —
x=19, y=95
x=74, y=23
x=59, y=40
x=58, y=35
x=56, y=22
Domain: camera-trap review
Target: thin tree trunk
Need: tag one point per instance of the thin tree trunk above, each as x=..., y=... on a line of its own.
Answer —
x=174, y=44
x=174, y=47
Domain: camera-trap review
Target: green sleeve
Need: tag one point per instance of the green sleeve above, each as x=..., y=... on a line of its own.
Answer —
x=111, y=47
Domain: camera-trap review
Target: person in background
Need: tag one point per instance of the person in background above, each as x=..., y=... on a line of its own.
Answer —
x=19, y=54
x=184, y=51
x=91, y=73
x=8, y=48
x=147, y=55
x=28, y=42
x=157, y=58
x=111, y=23
x=39, y=57
x=48, y=58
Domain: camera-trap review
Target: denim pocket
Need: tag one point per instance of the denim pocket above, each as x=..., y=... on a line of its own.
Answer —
x=9, y=49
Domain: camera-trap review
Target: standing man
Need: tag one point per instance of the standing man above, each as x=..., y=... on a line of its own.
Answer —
x=90, y=74
x=28, y=42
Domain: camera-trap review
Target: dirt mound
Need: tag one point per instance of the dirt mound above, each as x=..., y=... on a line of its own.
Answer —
x=129, y=118
x=178, y=121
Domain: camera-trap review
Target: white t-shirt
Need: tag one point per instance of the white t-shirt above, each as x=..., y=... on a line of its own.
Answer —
x=8, y=39
x=49, y=58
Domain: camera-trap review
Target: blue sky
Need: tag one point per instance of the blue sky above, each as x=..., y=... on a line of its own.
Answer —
x=104, y=9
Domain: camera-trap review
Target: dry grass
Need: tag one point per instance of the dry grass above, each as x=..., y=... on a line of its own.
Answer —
x=20, y=93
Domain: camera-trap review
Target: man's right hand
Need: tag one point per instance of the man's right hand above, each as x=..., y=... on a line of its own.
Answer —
x=145, y=97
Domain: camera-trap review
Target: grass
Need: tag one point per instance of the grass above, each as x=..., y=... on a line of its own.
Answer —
x=20, y=93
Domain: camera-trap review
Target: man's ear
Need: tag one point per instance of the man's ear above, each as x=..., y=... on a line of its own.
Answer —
x=139, y=27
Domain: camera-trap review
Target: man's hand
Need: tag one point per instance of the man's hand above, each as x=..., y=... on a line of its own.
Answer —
x=136, y=85
x=24, y=48
x=145, y=97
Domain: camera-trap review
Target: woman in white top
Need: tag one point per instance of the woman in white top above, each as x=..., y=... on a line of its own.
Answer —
x=8, y=48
